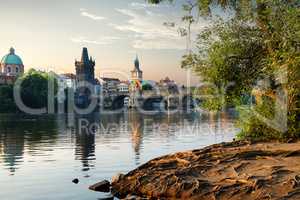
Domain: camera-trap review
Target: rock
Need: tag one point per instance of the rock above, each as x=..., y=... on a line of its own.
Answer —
x=244, y=171
x=76, y=180
x=107, y=198
x=117, y=178
x=103, y=186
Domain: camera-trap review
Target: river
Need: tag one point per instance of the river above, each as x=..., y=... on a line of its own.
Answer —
x=41, y=155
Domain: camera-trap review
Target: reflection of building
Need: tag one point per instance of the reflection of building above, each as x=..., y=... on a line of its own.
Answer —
x=11, y=67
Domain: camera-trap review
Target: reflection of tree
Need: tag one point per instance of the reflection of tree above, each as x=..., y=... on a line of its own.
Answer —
x=13, y=149
x=16, y=130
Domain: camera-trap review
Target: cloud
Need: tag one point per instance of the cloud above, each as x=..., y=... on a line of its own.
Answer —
x=102, y=41
x=158, y=45
x=144, y=5
x=148, y=30
x=85, y=13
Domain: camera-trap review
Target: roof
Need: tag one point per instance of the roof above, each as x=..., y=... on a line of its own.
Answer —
x=69, y=75
x=110, y=79
x=12, y=58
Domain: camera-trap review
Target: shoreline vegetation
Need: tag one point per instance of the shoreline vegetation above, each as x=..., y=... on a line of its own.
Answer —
x=235, y=170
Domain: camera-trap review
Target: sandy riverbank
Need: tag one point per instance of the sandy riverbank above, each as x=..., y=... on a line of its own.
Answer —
x=238, y=170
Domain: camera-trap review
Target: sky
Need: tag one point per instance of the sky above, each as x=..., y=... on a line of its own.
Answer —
x=50, y=35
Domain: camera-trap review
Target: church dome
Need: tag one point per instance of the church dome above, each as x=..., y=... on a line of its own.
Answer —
x=12, y=58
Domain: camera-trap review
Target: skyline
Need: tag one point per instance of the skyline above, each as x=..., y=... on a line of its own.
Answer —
x=50, y=35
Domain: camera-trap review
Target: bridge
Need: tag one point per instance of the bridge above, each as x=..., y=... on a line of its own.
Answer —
x=151, y=100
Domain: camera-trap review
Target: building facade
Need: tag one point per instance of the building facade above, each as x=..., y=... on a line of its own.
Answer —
x=123, y=87
x=110, y=86
x=67, y=80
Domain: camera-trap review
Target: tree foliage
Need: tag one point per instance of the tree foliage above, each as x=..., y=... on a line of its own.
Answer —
x=34, y=88
x=261, y=42
x=7, y=104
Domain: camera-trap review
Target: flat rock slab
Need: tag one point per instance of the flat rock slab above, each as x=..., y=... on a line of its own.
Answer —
x=103, y=186
x=238, y=170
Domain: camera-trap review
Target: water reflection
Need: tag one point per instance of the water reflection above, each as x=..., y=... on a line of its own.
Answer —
x=137, y=127
x=12, y=150
x=20, y=131
x=108, y=144
x=85, y=142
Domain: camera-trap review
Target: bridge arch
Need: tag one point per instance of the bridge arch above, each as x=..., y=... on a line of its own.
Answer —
x=118, y=102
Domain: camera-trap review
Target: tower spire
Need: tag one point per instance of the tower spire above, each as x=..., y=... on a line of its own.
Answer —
x=85, y=55
x=137, y=63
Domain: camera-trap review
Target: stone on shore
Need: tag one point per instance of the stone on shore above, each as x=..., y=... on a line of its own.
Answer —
x=238, y=170
x=76, y=180
x=103, y=186
x=117, y=178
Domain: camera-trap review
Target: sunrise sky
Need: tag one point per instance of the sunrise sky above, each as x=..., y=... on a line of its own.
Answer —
x=50, y=35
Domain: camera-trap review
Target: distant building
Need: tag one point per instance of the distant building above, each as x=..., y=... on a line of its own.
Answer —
x=110, y=86
x=67, y=80
x=169, y=86
x=11, y=66
x=123, y=87
x=85, y=78
x=137, y=73
x=97, y=87
x=85, y=68
x=136, y=84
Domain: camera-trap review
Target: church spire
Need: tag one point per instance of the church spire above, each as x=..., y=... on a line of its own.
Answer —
x=137, y=63
x=85, y=55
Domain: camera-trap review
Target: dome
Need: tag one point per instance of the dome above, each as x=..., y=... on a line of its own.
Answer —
x=11, y=58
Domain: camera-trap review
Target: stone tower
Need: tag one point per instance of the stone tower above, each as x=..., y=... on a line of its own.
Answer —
x=85, y=68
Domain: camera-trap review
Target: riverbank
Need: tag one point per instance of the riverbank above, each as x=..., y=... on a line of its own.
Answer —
x=237, y=170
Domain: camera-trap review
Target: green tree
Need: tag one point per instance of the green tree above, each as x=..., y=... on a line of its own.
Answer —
x=263, y=40
x=34, y=88
x=7, y=104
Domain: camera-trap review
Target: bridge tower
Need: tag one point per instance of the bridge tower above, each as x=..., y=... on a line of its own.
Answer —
x=136, y=83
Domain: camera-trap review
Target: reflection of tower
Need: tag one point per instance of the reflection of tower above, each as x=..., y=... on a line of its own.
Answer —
x=136, y=122
x=85, y=147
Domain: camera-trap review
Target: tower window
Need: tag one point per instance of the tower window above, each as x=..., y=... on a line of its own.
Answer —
x=8, y=69
x=17, y=69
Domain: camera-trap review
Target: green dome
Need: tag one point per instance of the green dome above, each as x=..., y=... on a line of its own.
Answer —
x=12, y=58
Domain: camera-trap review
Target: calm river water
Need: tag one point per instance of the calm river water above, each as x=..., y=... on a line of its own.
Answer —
x=40, y=156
